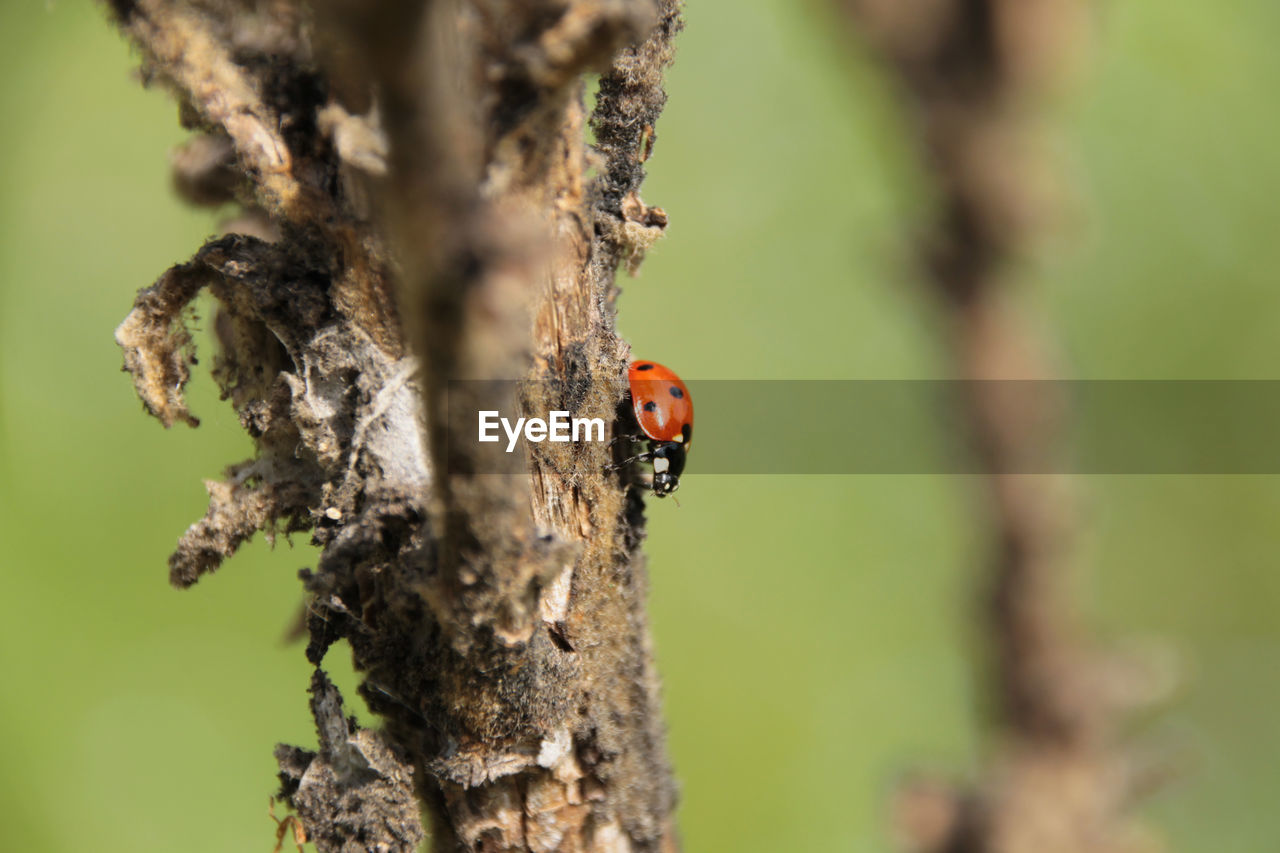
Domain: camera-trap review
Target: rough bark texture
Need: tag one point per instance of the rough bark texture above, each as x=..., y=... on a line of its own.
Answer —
x=417, y=207
x=973, y=75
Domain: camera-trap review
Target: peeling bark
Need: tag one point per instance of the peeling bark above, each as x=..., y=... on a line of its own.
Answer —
x=416, y=209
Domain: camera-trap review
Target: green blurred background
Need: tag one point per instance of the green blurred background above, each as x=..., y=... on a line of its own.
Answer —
x=814, y=633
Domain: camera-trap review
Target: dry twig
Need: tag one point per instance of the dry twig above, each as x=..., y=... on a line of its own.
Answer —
x=417, y=209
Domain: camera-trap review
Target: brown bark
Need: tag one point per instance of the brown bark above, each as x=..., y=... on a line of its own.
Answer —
x=418, y=208
x=974, y=76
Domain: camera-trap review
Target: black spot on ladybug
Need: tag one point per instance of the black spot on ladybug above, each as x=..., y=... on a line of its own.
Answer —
x=686, y=432
x=650, y=406
x=676, y=392
x=645, y=366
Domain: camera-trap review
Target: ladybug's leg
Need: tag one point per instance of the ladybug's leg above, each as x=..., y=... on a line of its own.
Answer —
x=647, y=456
x=634, y=438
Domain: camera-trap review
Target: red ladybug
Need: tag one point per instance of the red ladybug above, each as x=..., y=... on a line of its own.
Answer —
x=664, y=413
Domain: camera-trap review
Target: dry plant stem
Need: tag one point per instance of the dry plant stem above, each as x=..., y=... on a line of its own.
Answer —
x=414, y=178
x=972, y=74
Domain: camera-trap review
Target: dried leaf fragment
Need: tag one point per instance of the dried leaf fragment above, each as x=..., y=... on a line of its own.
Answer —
x=158, y=351
x=356, y=793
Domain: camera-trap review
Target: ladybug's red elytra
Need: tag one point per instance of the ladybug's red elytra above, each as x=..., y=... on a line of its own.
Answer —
x=663, y=411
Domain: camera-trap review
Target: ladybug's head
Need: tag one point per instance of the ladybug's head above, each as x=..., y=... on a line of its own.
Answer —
x=664, y=484
x=668, y=465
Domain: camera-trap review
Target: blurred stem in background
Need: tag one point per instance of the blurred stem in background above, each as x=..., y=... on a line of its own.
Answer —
x=974, y=76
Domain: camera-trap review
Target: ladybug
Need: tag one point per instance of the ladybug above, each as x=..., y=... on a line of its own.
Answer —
x=663, y=411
